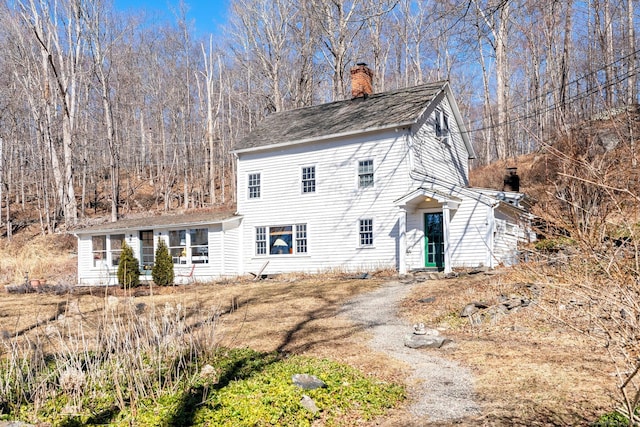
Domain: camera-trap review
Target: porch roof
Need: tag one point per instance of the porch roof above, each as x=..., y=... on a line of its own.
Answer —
x=159, y=221
x=419, y=194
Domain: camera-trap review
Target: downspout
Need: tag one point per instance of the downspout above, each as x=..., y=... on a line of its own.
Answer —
x=491, y=232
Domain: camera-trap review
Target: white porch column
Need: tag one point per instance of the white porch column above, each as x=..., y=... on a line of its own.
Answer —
x=447, y=245
x=402, y=240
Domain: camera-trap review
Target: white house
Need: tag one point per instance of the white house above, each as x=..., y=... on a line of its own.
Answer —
x=376, y=181
x=204, y=246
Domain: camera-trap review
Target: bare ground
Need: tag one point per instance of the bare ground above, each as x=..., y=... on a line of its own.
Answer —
x=527, y=368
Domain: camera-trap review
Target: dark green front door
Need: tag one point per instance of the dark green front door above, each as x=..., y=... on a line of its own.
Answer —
x=433, y=240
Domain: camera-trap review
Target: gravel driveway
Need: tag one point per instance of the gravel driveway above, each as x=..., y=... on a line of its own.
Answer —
x=440, y=390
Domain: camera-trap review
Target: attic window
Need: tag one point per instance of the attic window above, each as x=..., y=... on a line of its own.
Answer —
x=442, y=124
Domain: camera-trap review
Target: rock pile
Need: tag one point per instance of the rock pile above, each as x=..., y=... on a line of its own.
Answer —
x=422, y=337
x=481, y=312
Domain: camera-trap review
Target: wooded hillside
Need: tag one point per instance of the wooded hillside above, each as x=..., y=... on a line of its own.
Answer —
x=95, y=102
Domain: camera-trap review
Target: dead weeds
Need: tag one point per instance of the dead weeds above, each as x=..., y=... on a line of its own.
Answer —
x=530, y=368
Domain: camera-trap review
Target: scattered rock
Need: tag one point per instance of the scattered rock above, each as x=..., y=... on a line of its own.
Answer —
x=307, y=382
x=472, y=308
x=478, y=270
x=427, y=300
x=425, y=341
x=141, y=292
x=309, y=404
x=495, y=313
x=514, y=301
x=421, y=329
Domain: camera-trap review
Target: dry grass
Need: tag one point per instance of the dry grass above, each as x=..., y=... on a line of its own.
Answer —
x=530, y=369
x=43, y=257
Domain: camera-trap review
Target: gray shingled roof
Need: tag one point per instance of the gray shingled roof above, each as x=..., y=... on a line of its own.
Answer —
x=159, y=221
x=378, y=111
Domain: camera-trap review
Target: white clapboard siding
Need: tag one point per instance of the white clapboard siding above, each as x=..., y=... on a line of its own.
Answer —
x=88, y=274
x=445, y=159
x=470, y=234
x=507, y=233
x=333, y=211
x=223, y=255
x=231, y=249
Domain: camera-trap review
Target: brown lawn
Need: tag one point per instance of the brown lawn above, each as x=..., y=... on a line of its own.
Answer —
x=530, y=369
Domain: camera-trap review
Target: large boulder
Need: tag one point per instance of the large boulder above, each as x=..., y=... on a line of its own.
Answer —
x=307, y=382
x=425, y=341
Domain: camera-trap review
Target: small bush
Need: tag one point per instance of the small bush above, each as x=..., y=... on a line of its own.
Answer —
x=611, y=419
x=128, y=268
x=162, y=271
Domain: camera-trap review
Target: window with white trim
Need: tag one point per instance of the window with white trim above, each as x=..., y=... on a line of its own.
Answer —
x=301, y=238
x=116, y=241
x=365, y=227
x=309, y=179
x=107, y=249
x=365, y=173
x=189, y=246
x=281, y=240
x=253, y=185
x=99, y=251
x=261, y=240
x=442, y=124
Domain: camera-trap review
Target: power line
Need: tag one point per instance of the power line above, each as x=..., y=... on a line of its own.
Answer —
x=579, y=96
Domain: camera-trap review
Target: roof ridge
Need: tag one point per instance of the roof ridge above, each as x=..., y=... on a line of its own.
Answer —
x=435, y=83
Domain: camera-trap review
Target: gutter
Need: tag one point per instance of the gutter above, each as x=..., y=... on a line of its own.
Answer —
x=323, y=138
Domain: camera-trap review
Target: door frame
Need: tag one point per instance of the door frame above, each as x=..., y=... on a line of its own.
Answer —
x=439, y=259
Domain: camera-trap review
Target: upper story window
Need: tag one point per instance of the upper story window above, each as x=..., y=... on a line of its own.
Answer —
x=365, y=173
x=309, y=179
x=442, y=124
x=365, y=228
x=254, y=185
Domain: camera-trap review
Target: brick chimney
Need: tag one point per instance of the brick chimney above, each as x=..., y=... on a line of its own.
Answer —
x=361, y=81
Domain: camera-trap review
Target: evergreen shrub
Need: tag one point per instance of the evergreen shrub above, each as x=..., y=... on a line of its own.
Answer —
x=162, y=271
x=128, y=268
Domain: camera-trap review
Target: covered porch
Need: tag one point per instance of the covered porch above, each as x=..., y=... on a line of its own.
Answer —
x=424, y=227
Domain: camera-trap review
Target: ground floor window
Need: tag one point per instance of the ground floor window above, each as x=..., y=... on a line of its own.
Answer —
x=281, y=239
x=147, y=253
x=107, y=249
x=366, y=232
x=99, y=244
x=189, y=246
